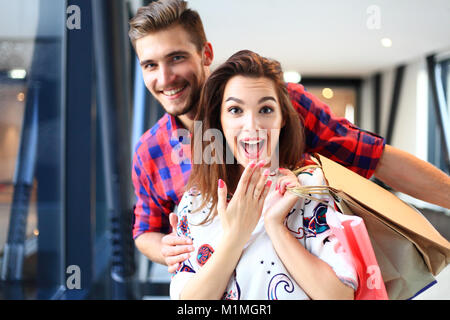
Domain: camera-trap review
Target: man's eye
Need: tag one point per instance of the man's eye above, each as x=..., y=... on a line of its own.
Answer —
x=177, y=58
x=149, y=65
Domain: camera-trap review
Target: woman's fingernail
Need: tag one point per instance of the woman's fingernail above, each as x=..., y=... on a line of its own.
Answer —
x=252, y=164
x=269, y=183
x=262, y=163
x=221, y=184
x=266, y=172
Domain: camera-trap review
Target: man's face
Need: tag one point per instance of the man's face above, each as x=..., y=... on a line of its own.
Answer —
x=174, y=71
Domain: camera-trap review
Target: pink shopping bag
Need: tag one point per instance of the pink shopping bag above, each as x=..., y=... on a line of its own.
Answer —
x=352, y=234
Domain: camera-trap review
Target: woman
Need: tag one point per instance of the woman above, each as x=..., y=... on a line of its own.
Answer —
x=253, y=239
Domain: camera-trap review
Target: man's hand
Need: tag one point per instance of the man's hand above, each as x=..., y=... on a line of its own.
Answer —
x=175, y=249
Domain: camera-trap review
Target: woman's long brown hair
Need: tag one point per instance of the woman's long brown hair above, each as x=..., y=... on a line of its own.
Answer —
x=204, y=177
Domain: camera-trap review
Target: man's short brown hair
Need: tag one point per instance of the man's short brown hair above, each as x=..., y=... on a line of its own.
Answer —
x=164, y=14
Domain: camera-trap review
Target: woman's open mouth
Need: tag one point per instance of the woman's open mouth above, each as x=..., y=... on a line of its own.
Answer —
x=252, y=147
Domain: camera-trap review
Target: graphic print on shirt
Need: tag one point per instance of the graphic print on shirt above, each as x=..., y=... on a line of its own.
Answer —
x=289, y=222
x=204, y=253
x=183, y=227
x=275, y=281
x=186, y=266
x=309, y=171
x=317, y=223
x=234, y=293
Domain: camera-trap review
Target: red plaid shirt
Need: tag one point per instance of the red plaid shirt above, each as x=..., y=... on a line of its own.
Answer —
x=162, y=159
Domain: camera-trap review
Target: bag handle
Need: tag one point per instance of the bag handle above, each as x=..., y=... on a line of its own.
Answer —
x=308, y=191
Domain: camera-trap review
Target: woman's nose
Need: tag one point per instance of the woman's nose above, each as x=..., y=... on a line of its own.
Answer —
x=250, y=122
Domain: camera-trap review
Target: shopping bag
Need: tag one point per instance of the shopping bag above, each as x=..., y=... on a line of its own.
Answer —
x=408, y=249
x=357, y=248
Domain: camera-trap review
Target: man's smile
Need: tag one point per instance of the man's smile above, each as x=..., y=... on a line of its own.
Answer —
x=174, y=92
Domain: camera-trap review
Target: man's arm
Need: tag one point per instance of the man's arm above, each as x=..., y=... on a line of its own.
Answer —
x=406, y=173
x=366, y=153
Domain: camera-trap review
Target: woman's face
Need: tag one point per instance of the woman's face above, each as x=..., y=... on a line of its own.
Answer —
x=251, y=118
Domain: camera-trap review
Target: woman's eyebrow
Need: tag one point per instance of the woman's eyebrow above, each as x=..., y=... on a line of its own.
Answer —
x=264, y=99
x=234, y=99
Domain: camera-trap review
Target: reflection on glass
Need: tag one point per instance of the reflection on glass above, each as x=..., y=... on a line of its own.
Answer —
x=31, y=38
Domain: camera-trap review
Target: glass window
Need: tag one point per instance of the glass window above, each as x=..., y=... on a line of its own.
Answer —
x=31, y=144
x=435, y=153
x=445, y=67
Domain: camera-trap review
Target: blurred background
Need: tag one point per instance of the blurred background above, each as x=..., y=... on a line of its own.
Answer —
x=73, y=104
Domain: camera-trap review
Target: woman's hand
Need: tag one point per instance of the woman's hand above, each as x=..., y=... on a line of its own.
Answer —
x=240, y=216
x=275, y=215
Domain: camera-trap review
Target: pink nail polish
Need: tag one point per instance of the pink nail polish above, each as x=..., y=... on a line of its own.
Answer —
x=252, y=164
x=269, y=183
x=266, y=172
x=221, y=184
x=262, y=163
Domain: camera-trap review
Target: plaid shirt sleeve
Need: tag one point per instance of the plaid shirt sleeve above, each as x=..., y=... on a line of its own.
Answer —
x=160, y=172
x=333, y=137
x=151, y=211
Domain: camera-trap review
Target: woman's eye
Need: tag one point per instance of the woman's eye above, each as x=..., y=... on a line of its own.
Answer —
x=234, y=110
x=266, y=110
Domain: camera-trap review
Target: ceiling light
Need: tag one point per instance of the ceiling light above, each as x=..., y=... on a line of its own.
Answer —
x=327, y=93
x=20, y=96
x=292, y=76
x=386, y=42
x=17, y=74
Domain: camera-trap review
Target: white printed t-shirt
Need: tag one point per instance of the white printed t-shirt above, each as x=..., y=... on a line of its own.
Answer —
x=260, y=274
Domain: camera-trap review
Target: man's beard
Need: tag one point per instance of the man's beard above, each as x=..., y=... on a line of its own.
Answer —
x=193, y=100
x=191, y=105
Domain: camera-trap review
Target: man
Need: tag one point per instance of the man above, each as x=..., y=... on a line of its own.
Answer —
x=176, y=57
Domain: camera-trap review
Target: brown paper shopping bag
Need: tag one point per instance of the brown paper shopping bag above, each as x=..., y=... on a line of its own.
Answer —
x=409, y=250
